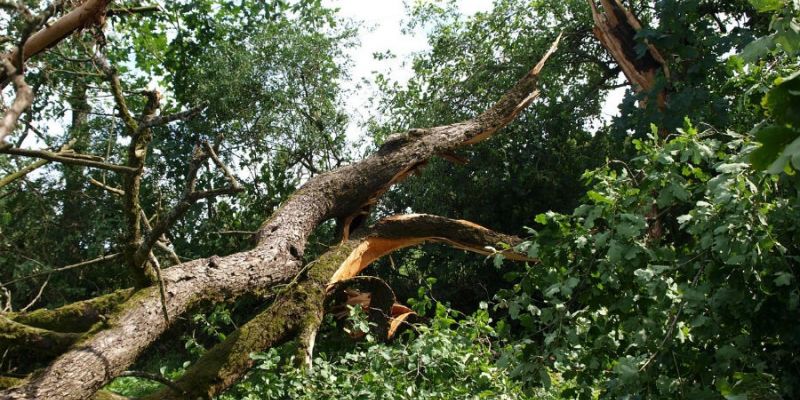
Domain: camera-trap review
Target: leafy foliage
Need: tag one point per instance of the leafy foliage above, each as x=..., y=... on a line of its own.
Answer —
x=703, y=310
x=446, y=359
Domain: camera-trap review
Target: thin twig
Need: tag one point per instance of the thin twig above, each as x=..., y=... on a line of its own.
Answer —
x=66, y=268
x=155, y=377
x=114, y=12
x=38, y=295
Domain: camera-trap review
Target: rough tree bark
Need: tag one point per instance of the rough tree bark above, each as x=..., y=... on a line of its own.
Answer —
x=277, y=256
x=89, y=13
x=299, y=307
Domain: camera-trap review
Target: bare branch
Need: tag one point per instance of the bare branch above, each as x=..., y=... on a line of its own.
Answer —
x=161, y=286
x=120, y=12
x=69, y=158
x=155, y=377
x=37, y=297
x=66, y=268
x=228, y=174
x=166, y=119
x=190, y=196
x=6, y=180
x=110, y=189
x=116, y=90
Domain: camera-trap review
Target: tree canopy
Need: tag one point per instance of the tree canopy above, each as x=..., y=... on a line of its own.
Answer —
x=183, y=215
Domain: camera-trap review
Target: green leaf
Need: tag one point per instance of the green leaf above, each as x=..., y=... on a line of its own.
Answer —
x=767, y=5
x=783, y=279
x=783, y=100
x=773, y=140
x=757, y=49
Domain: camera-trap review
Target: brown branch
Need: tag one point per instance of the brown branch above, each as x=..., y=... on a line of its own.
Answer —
x=138, y=261
x=22, y=172
x=110, y=189
x=180, y=116
x=112, y=77
x=228, y=174
x=118, y=12
x=299, y=308
x=37, y=297
x=68, y=158
x=89, y=13
x=22, y=101
x=276, y=258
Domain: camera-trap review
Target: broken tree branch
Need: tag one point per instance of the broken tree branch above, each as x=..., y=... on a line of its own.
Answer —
x=299, y=308
x=180, y=116
x=276, y=258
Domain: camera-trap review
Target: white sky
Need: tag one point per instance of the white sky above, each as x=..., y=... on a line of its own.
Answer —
x=383, y=21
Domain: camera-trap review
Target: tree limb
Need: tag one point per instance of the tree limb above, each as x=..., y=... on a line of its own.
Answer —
x=22, y=101
x=299, y=308
x=68, y=158
x=89, y=13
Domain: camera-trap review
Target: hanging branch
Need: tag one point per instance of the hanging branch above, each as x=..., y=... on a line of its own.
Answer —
x=22, y=101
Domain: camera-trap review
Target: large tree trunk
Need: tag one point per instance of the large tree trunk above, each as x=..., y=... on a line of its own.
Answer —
x=277, y=257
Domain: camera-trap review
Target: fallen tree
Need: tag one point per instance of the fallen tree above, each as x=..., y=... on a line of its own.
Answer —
x=346, y=194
